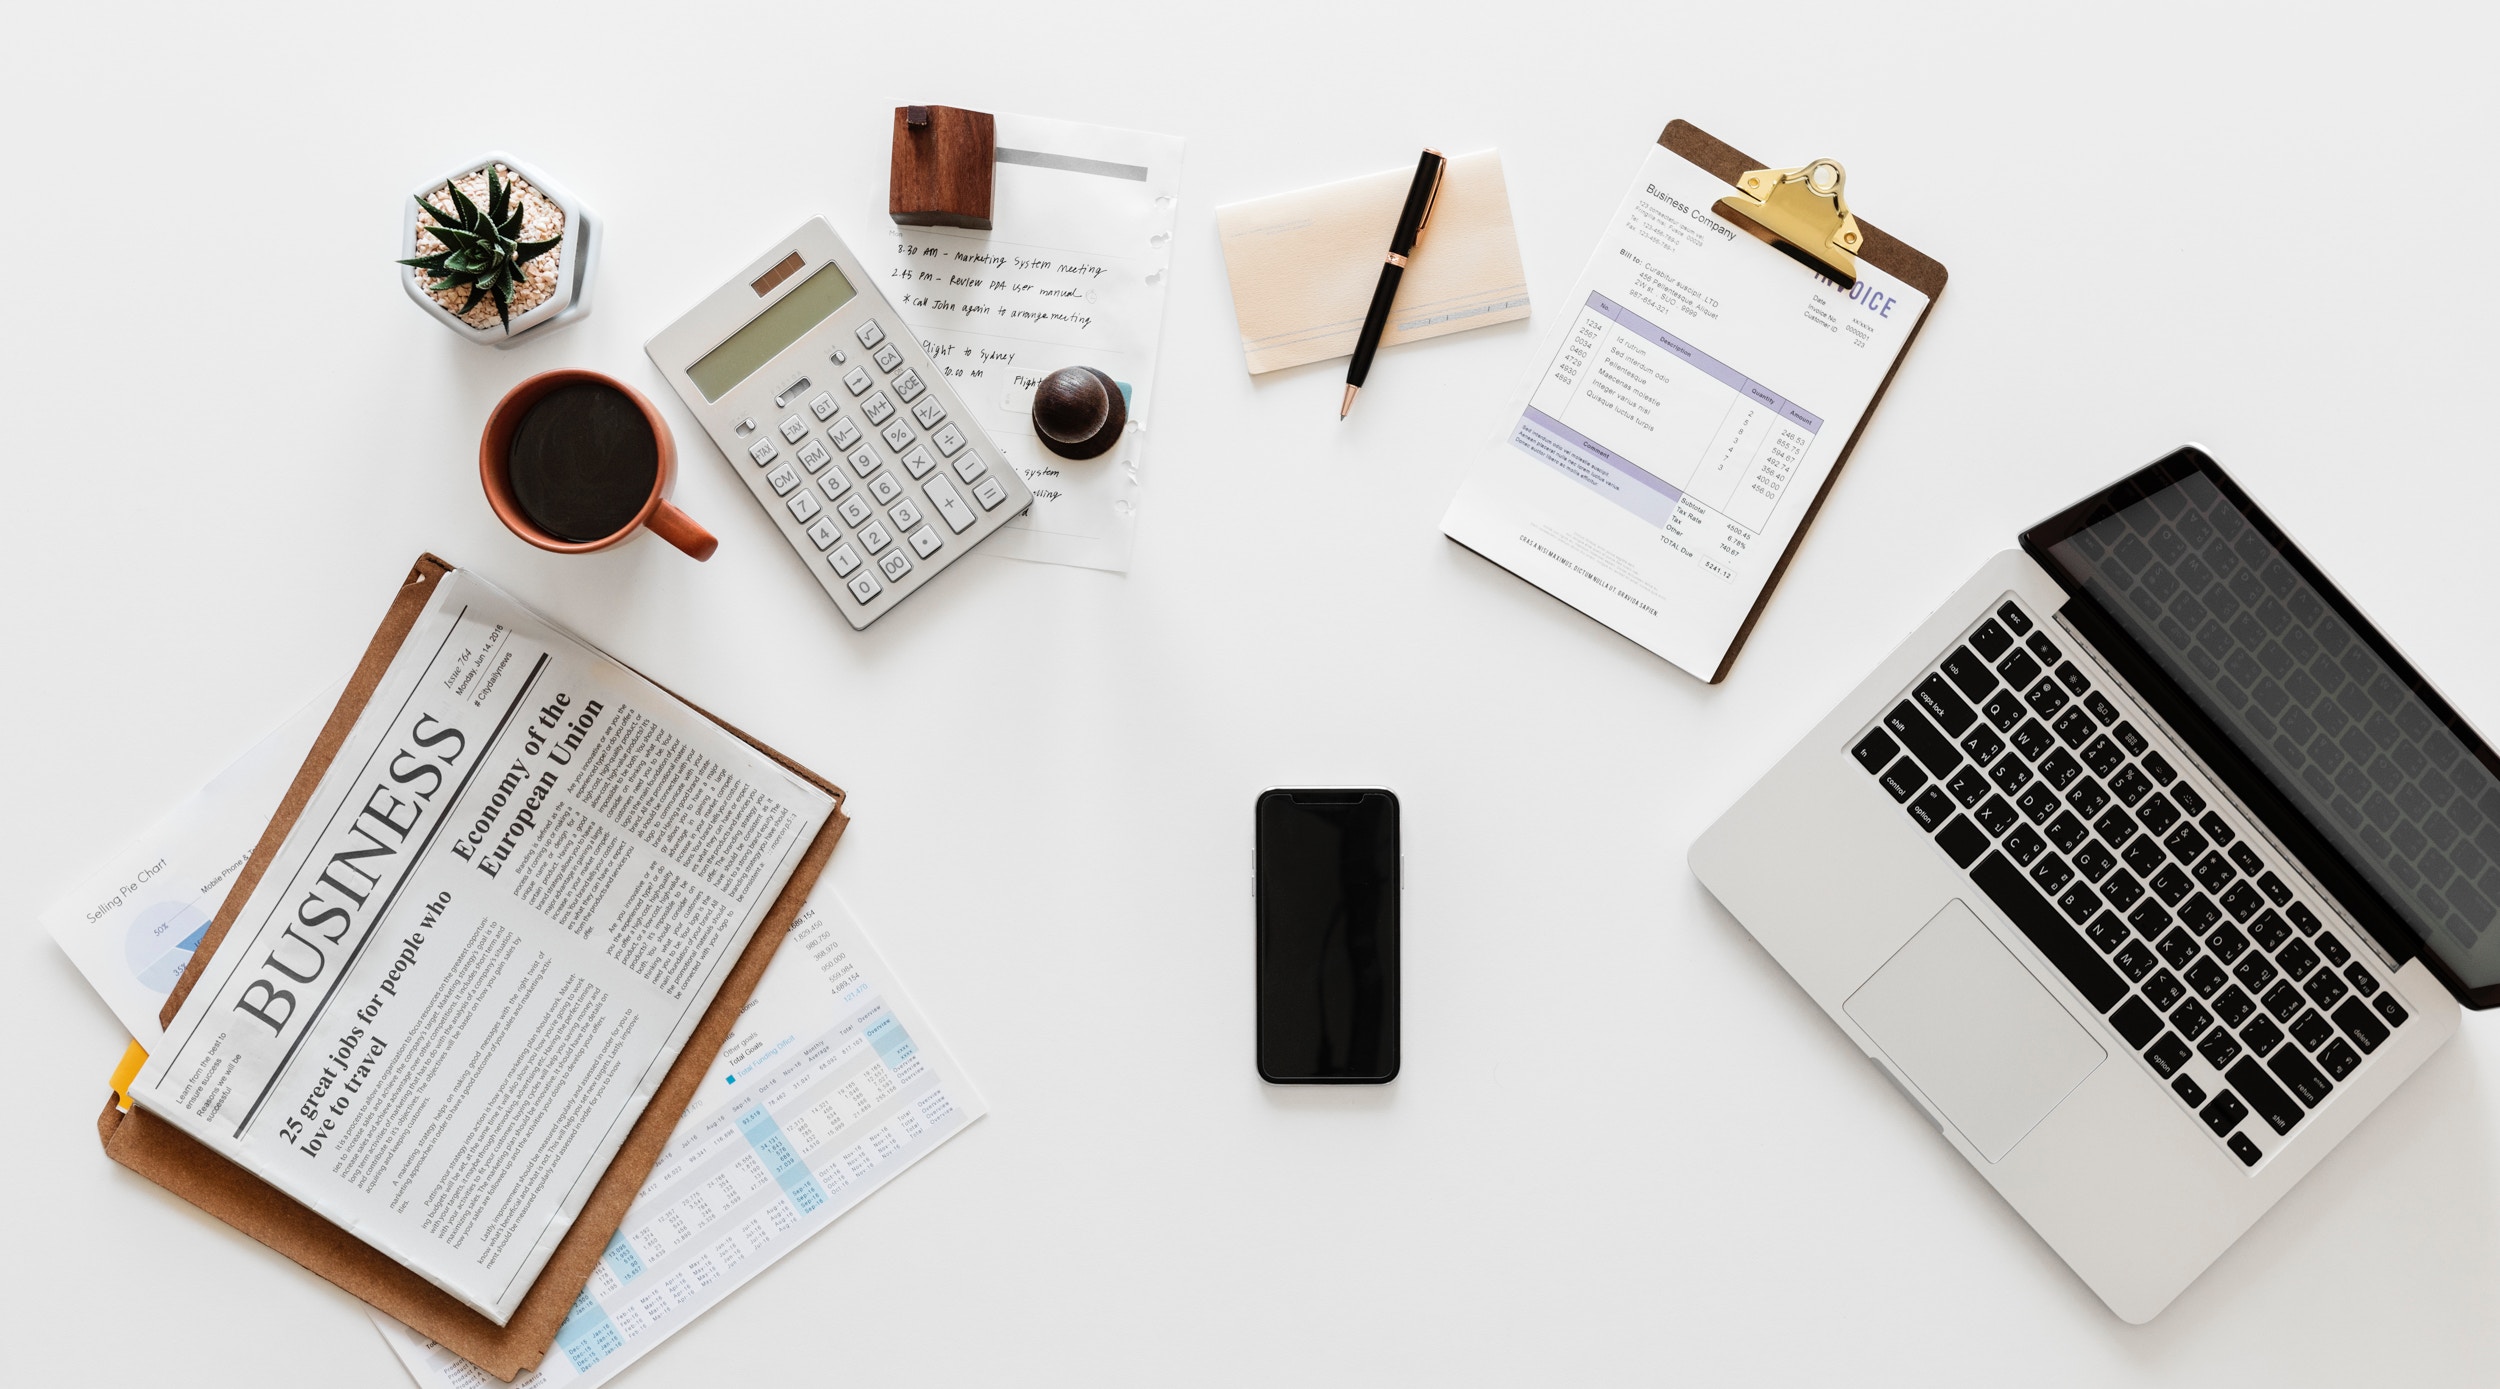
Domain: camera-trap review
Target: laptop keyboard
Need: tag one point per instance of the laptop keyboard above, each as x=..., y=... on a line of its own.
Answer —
x=2156, y=903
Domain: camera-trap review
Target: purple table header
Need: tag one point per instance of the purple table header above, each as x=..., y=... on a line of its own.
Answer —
x=1727, y=375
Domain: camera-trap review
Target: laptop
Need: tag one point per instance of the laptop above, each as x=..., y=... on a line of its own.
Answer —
x=2147, y=868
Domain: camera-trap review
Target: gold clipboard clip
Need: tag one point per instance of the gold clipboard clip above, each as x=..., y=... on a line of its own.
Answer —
x=1800, y=212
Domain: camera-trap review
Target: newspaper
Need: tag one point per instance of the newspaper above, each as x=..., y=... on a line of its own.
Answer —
x=476, y=956
x=832, y=1085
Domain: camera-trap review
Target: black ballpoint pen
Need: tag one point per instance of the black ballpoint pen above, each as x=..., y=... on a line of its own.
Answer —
x=1420, y=197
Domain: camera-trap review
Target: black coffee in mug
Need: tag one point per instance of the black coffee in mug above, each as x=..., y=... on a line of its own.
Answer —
x=584, y=462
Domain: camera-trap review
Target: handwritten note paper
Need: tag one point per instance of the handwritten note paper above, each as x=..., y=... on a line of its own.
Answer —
x=1073, y=273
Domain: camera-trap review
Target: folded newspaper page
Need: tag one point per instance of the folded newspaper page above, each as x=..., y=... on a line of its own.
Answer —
x=833, y=1084
x=511, y=898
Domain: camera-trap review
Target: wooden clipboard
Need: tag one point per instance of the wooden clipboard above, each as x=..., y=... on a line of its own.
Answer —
x=1912, y=266
x=175, y=1161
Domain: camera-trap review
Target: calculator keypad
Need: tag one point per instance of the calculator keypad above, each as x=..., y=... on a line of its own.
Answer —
x=856, y=465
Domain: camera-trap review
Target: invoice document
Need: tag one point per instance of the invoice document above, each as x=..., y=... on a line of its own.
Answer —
x=831, y=1085
x=1681, y=420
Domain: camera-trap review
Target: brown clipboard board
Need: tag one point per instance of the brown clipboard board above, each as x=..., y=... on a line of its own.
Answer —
x=1896, y=257
x=182, y=1165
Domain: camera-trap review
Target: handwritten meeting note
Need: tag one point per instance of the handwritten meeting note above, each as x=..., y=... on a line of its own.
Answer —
x=1074, y=273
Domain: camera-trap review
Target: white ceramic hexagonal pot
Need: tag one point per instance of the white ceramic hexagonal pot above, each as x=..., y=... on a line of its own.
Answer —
x=579, y=256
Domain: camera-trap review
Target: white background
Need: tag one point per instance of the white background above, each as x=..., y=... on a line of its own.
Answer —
x=1625, y=1147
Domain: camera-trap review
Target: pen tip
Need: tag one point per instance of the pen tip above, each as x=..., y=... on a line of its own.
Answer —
x=1348, y=407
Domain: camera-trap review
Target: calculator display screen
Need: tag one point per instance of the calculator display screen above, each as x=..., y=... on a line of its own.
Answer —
x=775, y=328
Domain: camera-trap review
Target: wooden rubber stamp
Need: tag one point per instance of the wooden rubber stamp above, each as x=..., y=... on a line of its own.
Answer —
x=1079, y=412
x=943, y=161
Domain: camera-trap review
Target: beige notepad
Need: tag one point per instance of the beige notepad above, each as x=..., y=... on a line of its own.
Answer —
x=1303, y=264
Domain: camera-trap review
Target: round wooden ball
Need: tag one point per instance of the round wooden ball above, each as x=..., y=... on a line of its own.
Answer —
x=1079, y=412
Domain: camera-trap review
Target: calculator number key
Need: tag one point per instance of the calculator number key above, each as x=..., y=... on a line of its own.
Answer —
x=858, y=380
x=823, y=534
x=871, y=333
x=876, y=408
x=804, y=506
x=835, y=482
x=924, y=542
x=909, y=386
x=885, y=488
x=896, y=564
x=794, y=429
x=906, y=513
x=950, y=505
x=865, y=588
x=929, y=412
x=823, y=405
x=845, y=561
x=887, y=358
x=782, y=479
x=989, y=492
x=854, y=509
x=864, y=461
x=875, y=536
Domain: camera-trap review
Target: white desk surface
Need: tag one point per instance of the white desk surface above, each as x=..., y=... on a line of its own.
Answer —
x=1625, y=1147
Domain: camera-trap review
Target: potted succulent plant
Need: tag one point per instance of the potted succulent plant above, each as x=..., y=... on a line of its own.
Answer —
x=497, y=252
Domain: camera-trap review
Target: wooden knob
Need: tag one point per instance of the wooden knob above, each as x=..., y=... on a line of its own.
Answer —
x=1079, y=412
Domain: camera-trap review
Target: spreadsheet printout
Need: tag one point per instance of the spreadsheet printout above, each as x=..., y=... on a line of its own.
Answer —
x=831, y=1085
x=1680, y=420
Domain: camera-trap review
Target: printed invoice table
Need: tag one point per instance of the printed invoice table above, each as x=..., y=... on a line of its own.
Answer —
x=1622, y=1150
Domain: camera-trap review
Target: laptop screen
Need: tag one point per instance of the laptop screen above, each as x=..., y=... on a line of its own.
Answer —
x=2310, y=697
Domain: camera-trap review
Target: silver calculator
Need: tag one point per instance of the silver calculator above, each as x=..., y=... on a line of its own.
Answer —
x=819, y=395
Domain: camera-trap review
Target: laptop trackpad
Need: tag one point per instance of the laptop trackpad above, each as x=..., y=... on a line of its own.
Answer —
x=1970, y=1027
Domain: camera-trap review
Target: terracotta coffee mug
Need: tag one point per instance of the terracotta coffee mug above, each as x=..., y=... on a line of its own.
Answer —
x=494, y=467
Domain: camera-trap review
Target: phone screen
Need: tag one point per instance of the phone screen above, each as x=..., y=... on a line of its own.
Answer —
x=1328, y=936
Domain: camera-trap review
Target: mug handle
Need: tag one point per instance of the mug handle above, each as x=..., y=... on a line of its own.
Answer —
x=683, y=531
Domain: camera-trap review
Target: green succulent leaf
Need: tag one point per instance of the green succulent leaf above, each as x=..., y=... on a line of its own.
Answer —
x=496, y=200
x=469, y=217
x=435, y=261
x=528, y=251
x=475, y=293
x=503, y=305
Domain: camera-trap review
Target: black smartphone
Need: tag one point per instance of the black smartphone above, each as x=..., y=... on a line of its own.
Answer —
x=1327, y=889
